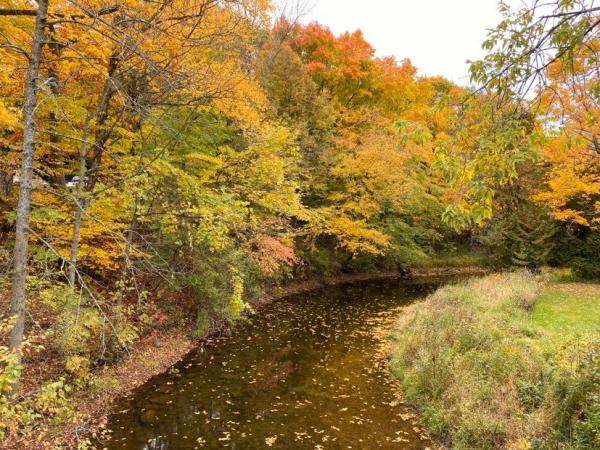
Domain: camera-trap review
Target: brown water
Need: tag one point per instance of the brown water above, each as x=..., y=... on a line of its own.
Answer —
x=305, y=373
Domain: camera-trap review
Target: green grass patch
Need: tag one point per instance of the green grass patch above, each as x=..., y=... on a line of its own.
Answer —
x=565, y=310
x=504, y=361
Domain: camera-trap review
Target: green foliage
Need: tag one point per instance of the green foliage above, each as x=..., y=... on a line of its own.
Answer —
x=324, y=259
x=518, y=48
x=587, y=263
x=264, y=175
x=52, y=401
x=102, y=383
x=13, y=415
x=10, y=362
x=199, y=132
x=221, y=283
x=79, y=326
x=559, y=275
x=524, y=236
x=237, y=306
x=483, y=156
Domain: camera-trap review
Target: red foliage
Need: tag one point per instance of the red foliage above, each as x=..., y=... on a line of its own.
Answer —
x=270, y=254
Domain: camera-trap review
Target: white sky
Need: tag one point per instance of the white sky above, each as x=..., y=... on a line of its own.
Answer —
x=438, y=36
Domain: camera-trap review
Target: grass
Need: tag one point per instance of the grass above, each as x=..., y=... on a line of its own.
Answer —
x=568, y=309
x=451, y=260
x=504, y=361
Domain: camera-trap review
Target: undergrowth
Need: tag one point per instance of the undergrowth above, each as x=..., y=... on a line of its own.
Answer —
x=484, y=376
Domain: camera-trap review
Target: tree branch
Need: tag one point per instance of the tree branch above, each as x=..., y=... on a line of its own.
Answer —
x=18, y=12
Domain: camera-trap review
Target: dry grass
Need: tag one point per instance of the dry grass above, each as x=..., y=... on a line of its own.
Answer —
x=475, y=364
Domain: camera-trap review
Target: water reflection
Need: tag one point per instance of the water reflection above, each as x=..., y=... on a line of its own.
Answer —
x=304, y=374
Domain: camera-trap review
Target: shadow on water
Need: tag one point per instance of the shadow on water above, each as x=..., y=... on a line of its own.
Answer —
x=305, y=373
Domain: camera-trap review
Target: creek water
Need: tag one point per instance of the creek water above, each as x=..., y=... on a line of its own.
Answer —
x=307, y=372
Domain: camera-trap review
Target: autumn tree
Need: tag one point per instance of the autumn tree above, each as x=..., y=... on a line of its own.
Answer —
x=369, y=165
x=571, y=153
x=21, y=248
x=111, y=73
x=542, y=61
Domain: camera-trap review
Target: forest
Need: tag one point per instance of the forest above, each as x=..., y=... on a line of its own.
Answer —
x=167, y=165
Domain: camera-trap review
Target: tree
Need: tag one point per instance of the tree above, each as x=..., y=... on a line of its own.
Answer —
x=23, y=206
x=481, y=155
x=540, y=67
x=571, y=152
x=111, y=74
x=521, y=234
x=528, y=41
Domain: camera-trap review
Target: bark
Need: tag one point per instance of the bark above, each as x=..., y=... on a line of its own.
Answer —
x=53, y=79
x=79, y=204
x=133, y=222
x=18, y=12
x=127, y=253
x=102, y=134
x=129, y=240
x=21, y=250
x=90, y=166
x=6, y=181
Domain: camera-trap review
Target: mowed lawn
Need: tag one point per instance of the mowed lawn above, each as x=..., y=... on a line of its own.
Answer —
x=567, y=309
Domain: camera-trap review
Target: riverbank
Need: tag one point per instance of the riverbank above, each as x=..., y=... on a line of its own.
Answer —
x=504, y=361
x=320, y=283
x=86, y=409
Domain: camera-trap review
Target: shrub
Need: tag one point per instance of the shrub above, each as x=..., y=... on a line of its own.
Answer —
x=221, y=284
x=573, y=402
x=77, y=326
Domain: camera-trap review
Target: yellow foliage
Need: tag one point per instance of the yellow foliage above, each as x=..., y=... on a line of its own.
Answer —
x=356, y=236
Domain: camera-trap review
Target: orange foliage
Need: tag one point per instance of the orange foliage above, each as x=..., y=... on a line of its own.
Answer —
x=270, y=254
x=572, y=152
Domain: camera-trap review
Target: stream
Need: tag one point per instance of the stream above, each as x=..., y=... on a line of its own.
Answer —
x=307, y=372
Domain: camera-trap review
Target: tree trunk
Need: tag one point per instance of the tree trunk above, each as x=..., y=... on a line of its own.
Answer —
x=129, y=240
x=21, y=251
x=79, y=203
x=102, y=134
x=6, y=181
x=90, y=166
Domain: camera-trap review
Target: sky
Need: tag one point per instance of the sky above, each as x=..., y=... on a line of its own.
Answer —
x=438, y=36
